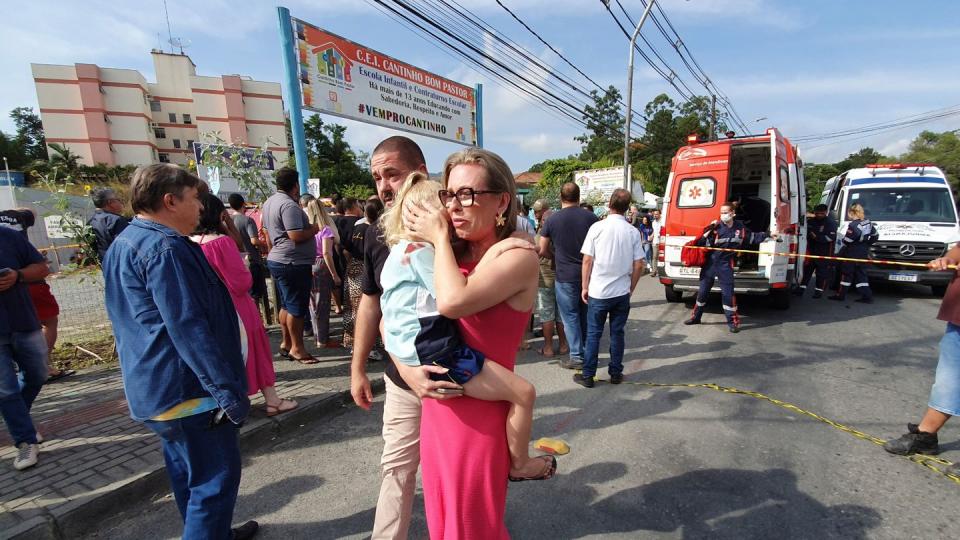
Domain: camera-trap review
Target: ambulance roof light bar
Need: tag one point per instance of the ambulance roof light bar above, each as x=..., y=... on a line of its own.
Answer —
x=898, y=166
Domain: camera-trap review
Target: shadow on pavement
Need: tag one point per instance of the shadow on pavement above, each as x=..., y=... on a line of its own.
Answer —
x=712, y=503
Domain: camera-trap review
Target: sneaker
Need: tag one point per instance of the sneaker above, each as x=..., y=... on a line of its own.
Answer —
x=817, y=294
x=586, y=382
x=570, y=363
x=246, y=531
x=616, y=379
x=26, y=456
x=690, y=321
x=734, y=329
x=913, y=442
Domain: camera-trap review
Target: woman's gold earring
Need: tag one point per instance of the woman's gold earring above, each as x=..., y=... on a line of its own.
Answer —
x=501, y=221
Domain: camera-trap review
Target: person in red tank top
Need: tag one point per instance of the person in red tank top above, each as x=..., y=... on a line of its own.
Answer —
x=465, y=459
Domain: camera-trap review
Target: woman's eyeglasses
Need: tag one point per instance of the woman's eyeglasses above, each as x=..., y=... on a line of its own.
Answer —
x=464, y=195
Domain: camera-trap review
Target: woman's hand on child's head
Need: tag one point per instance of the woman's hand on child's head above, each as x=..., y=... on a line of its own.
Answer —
x=428, y=221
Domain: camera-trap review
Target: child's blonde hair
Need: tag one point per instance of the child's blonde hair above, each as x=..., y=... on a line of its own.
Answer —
x=856, y=211
x=417, y=188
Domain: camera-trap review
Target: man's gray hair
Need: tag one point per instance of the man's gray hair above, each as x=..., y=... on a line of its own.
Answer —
x=101, y=196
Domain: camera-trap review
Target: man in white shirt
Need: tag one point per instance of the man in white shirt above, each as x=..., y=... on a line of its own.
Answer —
x=612, y=263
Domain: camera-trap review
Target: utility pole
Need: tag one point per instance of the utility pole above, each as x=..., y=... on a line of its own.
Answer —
x=713, y=117
x=626, y=128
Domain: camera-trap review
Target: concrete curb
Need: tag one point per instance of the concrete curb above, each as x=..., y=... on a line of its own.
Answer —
x=82, y=515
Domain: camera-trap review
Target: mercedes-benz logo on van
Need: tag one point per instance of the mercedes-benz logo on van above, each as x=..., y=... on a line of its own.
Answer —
x=908, y=250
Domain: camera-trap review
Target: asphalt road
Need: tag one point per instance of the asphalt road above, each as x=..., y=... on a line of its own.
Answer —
x=670, y=462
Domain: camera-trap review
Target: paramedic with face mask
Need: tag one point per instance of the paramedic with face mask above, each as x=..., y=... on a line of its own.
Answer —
x=728, y=234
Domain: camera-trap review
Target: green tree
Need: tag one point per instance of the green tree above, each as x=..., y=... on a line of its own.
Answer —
x=941, y=149
x=815, y=177
x=64, y=158
x=13, y=151
x=862, y=158
x=604, y=137
x=29, y=133
x=332, y=161
x=555, y=173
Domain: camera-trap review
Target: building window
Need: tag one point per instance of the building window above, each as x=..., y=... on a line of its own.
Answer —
x=176, y=143
x=187, y=119
x=173, y=117
x=164, y=158
x=190, y=144
x=154, y=105
x=160, y=133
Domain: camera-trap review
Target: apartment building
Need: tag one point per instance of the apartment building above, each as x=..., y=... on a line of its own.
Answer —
x=115, y=116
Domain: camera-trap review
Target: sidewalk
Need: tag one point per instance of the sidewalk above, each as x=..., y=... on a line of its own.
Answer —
x=95, y=457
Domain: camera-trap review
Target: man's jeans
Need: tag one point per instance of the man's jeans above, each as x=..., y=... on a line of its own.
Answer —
x=29, y=351
x=597, y=310
x=203, y=464
x=573, y=312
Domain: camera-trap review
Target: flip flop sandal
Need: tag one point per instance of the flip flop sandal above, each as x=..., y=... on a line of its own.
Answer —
x=540, y=352
x=545, y=475
x=285, y=353
x=306, y=360
x=280, y=409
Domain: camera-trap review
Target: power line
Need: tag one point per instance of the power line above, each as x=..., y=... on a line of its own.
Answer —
x=513, y=89
x=906, y=121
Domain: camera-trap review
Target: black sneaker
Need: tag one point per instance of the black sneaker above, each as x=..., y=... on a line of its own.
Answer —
x=569, y=363
x=734, y=329
x=586, y=382
x=246, y=531
x=817, y=294
x=616, y=379
x=913, y=442
x=691, y=320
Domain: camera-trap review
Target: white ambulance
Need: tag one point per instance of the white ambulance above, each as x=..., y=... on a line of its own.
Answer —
x=914, y=210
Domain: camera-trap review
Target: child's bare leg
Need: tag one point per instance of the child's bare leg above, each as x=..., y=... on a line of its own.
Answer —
x=497, y=383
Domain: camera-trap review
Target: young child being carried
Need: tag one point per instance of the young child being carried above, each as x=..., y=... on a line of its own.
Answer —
x=417, y=334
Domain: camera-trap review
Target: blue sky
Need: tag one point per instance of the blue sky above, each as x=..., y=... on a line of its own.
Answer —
x=808, y=67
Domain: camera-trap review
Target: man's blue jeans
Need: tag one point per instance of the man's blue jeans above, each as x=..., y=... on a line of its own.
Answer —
x=573, y=312
x=29, y=351
x=203, y=464
x=618, y=309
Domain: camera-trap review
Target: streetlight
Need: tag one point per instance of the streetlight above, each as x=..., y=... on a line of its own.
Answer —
x=760, y=119
x=626, y=128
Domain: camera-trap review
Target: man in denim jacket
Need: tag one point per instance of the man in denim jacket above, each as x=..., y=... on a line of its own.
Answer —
x=179, y=345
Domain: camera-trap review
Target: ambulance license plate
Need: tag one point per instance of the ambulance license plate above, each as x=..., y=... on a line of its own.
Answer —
x=903, y=276
x=688, y=270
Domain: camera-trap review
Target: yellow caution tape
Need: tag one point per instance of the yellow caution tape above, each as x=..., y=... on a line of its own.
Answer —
x=822, y=257
x=929, y=462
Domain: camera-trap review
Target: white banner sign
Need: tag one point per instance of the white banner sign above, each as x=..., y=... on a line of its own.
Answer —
x=343, y=78
x=599, y=182
x=54, y=225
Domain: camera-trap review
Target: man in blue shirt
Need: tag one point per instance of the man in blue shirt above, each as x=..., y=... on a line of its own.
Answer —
x=21, y=342
x=567, y=229
x=179, y=347
x=106, y=222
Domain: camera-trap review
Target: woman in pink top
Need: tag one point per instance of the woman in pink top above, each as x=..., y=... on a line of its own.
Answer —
x=325, y=275
x=219, y=241
x=463, y=445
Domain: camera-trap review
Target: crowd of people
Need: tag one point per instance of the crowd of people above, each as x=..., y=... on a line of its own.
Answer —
x=423, y=272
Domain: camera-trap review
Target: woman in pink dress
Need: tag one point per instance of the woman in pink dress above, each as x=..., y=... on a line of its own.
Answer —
x=464, y=456
x=219, y=241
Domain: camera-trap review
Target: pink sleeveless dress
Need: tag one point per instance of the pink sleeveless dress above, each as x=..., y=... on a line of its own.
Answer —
x=464, y=457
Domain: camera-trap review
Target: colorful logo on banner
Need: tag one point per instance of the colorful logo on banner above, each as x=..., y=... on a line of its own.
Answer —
x=340, y=77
